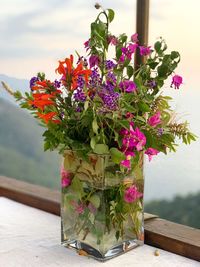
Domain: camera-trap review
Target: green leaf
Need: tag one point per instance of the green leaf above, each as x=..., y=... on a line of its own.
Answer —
x=143, y=107
x=47, y=146
x=93, y=142
x=129, y=107
x=118, y=52
x=129, y=71
x=95, y=126
x=86, y=104
x=174, y=54
x=124, y=123
x=157, y=46
x=153, y=65
x=95, y=200
x=116, y=155
x=111, y=15
x=163, y=70
x=101, y=149
x=77, y=187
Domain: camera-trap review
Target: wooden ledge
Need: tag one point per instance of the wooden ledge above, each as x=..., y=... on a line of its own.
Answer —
x=173, y=237
x=29, y=194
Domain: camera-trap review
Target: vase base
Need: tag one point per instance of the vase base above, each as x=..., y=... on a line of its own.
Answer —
x=86, y=250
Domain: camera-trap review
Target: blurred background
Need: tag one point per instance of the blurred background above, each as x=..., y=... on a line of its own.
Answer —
x=36, y=34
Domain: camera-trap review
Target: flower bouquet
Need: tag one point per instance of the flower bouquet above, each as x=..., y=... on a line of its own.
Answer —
x=104, y=116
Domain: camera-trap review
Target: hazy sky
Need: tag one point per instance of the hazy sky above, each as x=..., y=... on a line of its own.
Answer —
x=36, y=34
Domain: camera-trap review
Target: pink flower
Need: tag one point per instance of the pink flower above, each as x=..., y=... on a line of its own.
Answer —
x=65, y=182
x=132, y=194
x=150, y=152
x=135, y=139
x=127, y=52
x=145, y=51
x=176, y=81
x=94, y=60
x=112, y=40
x=134, y=38
x=80, y=209
x=65, y=177
x=132, y=48
x=127, y=162
x=154, y=120
x=127, y=86
x=87, y=45
x=122, y=58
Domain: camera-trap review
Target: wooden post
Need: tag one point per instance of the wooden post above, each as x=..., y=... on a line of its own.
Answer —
x=142, y=28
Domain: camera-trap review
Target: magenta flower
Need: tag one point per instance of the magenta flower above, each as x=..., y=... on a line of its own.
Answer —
x=134, y=38
x=127, y=86
x=176, y=81
x=112, y=40
x=154, y=120
x=64, y=174
x=127, y=162
x=122, y=58
x=145, y=51
x=80, y=208
x=132, y=194
x=135, y=139
x=87, y=45
x=129, y=115
x=150, y=152
x=123, y=131
x=127, y=52
x=65, y=182
x=65, y=177
x=94, y=60
x=132, y=47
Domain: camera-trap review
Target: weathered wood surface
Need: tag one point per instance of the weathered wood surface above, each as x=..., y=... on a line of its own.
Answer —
x=173, y=237
x=32, y=195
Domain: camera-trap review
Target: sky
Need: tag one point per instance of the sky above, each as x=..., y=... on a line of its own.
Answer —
x=34, y=35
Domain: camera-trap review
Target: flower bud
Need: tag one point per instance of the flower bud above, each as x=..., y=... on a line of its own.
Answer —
x=97, y=6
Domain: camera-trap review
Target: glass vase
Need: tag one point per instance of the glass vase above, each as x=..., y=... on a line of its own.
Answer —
x=102, y=205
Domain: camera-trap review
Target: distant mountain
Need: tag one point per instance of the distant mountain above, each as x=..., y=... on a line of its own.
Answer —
x=183, y=210
x=16, y=84
x=21, y=148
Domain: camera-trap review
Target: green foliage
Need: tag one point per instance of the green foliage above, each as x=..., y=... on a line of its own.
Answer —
x=182, y=209
x=119, y=97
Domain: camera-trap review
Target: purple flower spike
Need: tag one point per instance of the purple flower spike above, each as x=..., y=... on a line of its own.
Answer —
x=32, y=82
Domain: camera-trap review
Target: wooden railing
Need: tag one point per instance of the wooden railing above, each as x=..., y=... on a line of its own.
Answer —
x=173, y=237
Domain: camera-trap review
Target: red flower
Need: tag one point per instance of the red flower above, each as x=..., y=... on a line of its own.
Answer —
x=70, y=74
x=48, y=117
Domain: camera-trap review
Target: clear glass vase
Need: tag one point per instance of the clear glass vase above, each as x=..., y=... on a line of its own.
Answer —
x=102, y=205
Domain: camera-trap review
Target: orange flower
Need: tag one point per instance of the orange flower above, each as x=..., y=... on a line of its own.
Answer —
x=70, y=74
x=48, y=117
x=40, y=103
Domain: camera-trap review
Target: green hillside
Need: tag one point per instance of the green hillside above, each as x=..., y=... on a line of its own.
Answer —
x=21, y=148
x=183, y=210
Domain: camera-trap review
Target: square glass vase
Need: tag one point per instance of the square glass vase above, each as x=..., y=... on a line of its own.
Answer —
x=102, y=205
